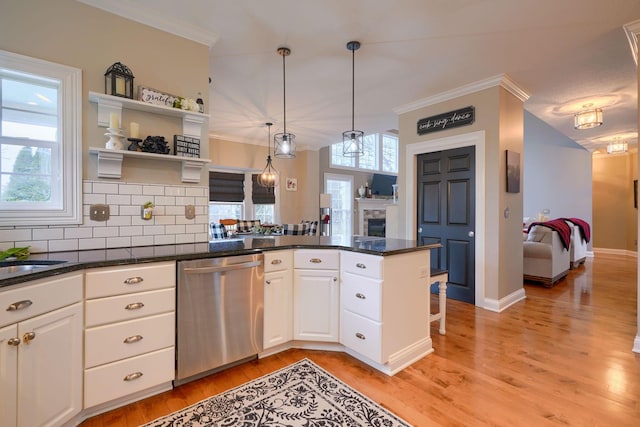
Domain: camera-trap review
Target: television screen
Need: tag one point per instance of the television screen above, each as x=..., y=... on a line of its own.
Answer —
x=381, y=184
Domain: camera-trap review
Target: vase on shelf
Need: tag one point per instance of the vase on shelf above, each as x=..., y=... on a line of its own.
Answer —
x=361, y=191
x=115, y=139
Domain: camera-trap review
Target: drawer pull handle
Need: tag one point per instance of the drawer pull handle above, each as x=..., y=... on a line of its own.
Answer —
x=28, y=337
x=361, y=265
x=360, y=296
x=315, y=260
x=133, y=280
x=133, y=376
x=13, y=342
x=276, y=261
x=132, y=339
x=19, y=305
x=360, y=336
x=134, y=306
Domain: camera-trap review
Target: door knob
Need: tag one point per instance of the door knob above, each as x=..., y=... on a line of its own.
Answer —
x=471, y=234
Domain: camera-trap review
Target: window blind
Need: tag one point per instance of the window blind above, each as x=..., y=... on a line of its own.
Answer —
x=261, y=195
x=226, y=187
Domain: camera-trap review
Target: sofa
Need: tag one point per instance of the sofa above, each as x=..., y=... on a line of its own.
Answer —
x=578, y=248
x=545, y=258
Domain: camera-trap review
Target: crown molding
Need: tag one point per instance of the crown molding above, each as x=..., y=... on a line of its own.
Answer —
x=632, y=30
x=501, y=80
x=133, y=12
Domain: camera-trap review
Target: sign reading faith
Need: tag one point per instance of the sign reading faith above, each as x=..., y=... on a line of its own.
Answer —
x=462, y=117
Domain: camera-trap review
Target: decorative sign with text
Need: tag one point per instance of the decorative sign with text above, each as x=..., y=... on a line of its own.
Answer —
x=462, y=117
x=185, y=146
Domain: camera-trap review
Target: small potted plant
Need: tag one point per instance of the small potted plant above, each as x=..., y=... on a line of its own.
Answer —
x=147, y=210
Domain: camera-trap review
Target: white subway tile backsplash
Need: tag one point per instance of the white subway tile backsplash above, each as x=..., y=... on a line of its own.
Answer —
x=63, y=245
x=125, y=227
x=47, y=233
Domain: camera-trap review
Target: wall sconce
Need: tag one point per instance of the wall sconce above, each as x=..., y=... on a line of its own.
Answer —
x=617, y=146
x=118, y=81
x=588, y=119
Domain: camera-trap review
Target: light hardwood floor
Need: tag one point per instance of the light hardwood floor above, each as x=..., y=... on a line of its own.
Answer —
x=561, y=357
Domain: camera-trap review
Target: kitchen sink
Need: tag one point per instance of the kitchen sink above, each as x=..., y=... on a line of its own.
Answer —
x=11, y=267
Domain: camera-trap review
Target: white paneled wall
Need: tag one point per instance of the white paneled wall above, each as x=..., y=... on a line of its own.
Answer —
x=125, y=227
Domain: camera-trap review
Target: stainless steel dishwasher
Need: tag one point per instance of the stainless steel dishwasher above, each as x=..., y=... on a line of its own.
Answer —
x=219, y=314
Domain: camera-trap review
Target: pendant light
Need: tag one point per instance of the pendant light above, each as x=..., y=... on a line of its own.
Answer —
x=284, y=144
x=269, y=177
x=352, y=140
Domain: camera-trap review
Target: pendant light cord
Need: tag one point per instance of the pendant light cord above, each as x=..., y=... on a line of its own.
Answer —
x=284, y=94
x=353, y=87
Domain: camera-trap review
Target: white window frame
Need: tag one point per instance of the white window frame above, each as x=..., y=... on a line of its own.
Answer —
x=378, y=154
x=70, y=111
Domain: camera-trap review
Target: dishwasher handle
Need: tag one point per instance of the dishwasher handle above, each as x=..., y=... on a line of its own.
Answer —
x=221, y=268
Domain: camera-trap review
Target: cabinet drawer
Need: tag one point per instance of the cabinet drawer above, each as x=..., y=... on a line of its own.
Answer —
x=362, y=296
x=362, y=335
x=109, y=281
x=104, y=344
x=130, y=306
x=362, y=264
x=316, y=259
x=277, y=261
x=119, y=379
x=39, y=296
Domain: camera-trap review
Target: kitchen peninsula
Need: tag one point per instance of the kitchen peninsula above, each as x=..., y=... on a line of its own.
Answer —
x=368, y=297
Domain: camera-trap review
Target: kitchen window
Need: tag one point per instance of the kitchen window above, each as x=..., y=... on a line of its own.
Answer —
x=237, y=195
x=40, y=142
x=380, y=155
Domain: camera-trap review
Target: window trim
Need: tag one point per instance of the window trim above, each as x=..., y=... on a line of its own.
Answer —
x=70, y=96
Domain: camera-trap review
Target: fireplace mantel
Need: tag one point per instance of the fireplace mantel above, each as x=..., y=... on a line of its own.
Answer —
x=363, y=204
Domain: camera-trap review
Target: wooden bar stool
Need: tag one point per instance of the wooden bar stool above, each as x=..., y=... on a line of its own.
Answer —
x=441, y=277
x=230, y=225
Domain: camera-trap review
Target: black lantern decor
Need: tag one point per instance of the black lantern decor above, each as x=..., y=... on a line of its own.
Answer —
x=118, y=81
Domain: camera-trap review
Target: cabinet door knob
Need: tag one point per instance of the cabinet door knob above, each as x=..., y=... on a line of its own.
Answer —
x=28, y=337
x=360, y=296
x=19, y=305
x=133, y=280
x=132, y=339
x=132, y=377
x=361, y=265
x=315, y=260
x=268, y=282
x=13, y=342
x=134, y=306
x=276, y=261
x=360, y=336
x=335, y=279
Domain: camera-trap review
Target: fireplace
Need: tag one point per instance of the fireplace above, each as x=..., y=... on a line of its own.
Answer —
x=376, y=227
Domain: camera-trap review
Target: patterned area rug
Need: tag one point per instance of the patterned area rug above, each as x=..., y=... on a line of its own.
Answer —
x=302, y=394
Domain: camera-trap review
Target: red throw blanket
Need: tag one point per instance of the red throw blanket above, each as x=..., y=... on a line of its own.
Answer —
x=585, y=230
x=563, y=229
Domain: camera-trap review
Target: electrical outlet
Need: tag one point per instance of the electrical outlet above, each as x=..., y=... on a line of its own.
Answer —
x=99, y=212
x=189, y=211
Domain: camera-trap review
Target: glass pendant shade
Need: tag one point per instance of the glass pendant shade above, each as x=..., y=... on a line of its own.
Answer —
x=588, y=119
x=284, y=143
x=269, y=177
x=352, y=140
x=617, y=147
x=352, y=143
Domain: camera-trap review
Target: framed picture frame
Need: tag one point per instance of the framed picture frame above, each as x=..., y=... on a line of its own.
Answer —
x=291, y=184
x=513, y=171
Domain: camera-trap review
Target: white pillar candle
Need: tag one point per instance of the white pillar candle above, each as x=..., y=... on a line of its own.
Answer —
x=114, y=121
x=134, y=130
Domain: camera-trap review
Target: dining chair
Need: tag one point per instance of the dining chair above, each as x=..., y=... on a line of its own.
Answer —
x=231, y=225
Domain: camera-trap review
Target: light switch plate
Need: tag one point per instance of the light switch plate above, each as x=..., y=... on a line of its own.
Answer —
x=99, y=212
x=189, y=211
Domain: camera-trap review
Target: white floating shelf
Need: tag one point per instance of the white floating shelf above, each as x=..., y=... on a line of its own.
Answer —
x=110, y=163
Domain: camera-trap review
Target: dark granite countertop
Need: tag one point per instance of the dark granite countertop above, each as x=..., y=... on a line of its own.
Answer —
x=79, y=260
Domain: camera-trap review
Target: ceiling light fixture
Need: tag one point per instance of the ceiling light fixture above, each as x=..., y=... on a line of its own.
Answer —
x=352, y=140
x=284, y=144
x=269, y=177
x=617, y=146
x=588, y=119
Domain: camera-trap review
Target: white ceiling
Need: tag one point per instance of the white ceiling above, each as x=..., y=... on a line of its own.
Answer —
x=563, y=53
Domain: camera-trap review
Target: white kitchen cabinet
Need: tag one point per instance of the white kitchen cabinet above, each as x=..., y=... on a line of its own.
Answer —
x=385, y=308
x=278, y=292
x=316, y=294
x=129, y=332
x=41, y=352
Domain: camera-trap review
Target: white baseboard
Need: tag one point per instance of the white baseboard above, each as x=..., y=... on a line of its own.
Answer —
x=636, y=344
x=504, y=303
